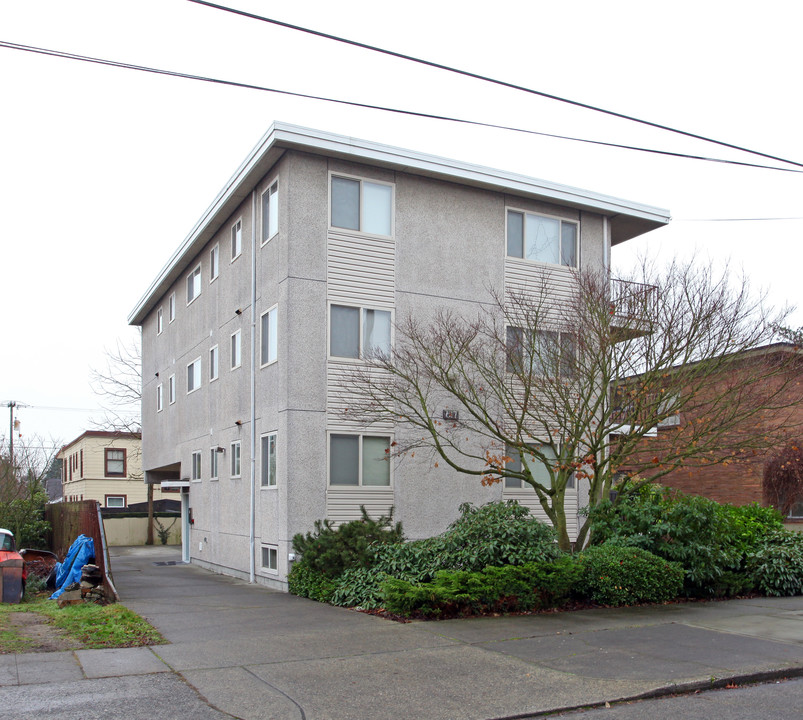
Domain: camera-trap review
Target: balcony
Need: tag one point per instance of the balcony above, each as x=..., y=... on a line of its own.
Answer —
x=632, y=304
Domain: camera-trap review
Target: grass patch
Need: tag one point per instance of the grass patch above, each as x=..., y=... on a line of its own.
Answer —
x=94, y=626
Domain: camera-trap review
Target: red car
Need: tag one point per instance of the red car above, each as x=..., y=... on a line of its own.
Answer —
x=13, y=572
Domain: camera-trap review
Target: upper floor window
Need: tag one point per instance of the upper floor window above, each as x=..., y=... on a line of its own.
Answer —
x=171, y=389
x=193, y=284
x=362, y=205
x=194, y=375
x=269, y=337
x=214, y=262
x=268, y=478
x=235, y=458
x=115, y=501
x=213, y=463
x=540, y=238
x=236, y=350
x=159, y=397
x=355, y=332
x=196, y=465
x=541, y=352
x=214, y=363
x=114, y=462
x=159, y=321
x=236, y=239
x=270, y=212
x=359, y=460
x=171, y=307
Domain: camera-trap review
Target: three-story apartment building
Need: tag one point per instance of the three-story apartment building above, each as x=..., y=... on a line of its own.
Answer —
x=307, y=257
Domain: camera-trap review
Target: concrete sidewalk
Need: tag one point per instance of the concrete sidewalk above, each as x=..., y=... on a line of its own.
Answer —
x=254, y=653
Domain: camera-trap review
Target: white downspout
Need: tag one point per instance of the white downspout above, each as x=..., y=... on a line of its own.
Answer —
x=252, y=513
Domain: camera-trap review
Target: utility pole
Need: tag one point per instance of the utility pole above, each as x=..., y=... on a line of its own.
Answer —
x=11, y=405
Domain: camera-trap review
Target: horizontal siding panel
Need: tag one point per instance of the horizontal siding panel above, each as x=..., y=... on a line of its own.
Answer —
x=361, y=270
x=528, y=278
x=340, y=396
x=344, y=505
x=529, y=499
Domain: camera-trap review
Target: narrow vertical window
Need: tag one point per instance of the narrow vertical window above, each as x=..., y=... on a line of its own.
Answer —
x=235, y=459
x=171, y=389
x=196, y=465
x=236, y=352
x=236, y=239
x=159, y=322
x=268, y=337
x=268, y=460
x=171, y=307
x=193, y=284
x=214, y=262
x=270, y=212
x=214, y=363
x=213, y=464
x=159, y=397
x=194, y=375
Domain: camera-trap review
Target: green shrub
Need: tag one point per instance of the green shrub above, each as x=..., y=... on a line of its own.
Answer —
x=709, y=540
x=776, y=566
x=306, y=581
x=510, y=588
x=359, y=587
x=331, y=550
x=615, y=575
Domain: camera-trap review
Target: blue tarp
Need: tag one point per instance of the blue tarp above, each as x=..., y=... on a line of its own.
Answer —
x=81, y=552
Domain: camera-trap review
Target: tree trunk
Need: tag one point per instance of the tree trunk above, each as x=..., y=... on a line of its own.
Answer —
x=149, y=536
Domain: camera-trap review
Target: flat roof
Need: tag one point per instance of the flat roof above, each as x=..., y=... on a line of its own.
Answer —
x=628, y=219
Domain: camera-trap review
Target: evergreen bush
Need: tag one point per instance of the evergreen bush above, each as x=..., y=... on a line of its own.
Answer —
x=776, y=567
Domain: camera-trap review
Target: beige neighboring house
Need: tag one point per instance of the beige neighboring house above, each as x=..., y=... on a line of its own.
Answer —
x=104, y=466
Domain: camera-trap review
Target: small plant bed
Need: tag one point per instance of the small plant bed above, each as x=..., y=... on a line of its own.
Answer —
x=39, y=625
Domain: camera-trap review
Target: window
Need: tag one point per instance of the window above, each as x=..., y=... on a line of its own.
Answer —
x=193, y=284
x=269, y=460
x=159, y=322
x=213, y=464
x=537, y=469
x=213, y=363
x=115, y=501
x=359, y=460
x=196, y=465
x=159, y=397
x=543, y=239
x=269, y=338
x=114, y=462
x=270, y=212
x=361, y=205
x=355, y=332
x=270, y=558
x=171, y=389
x=235, y=459
x=542, y=352
x=171, y=307
x=236, y=354
x=193, y=375
x=236, y=239
x=214, y=262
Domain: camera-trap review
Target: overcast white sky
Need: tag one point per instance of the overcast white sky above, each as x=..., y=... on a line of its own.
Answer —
x=104, y=171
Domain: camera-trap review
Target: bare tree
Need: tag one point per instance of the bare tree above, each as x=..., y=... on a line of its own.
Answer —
x=548, y=393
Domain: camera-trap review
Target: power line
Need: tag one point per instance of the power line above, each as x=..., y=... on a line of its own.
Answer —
x=494, y=81
x=381, y=108
x=757, y=219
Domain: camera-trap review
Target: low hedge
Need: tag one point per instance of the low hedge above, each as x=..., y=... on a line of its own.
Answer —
x=776, y=567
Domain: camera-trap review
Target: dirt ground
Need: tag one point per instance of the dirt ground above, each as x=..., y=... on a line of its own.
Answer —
x=43, y=636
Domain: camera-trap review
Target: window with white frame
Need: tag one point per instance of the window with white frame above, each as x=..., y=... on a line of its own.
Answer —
x=270, y=212
x=196, y=465
x=171, y=389
x=115, y=501
x=236, y=239
x=214, y=263
x=213, y=464
x=236, y=350
x=159, y=397
x=193, y=284
x=194, y=375
x=541, y=352
x=159, y=321
x=270, y=558
x=538, y=470
x=235, y=459
x=355, y=332
x=362, y=205
x=542, y=239
x=268, y=460
x=362, y=460
x=171, y=307
x=214, y=363
x=268, y=339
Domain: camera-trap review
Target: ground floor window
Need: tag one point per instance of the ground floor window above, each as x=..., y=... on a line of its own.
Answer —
x=270, y=558
x=115, y=501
